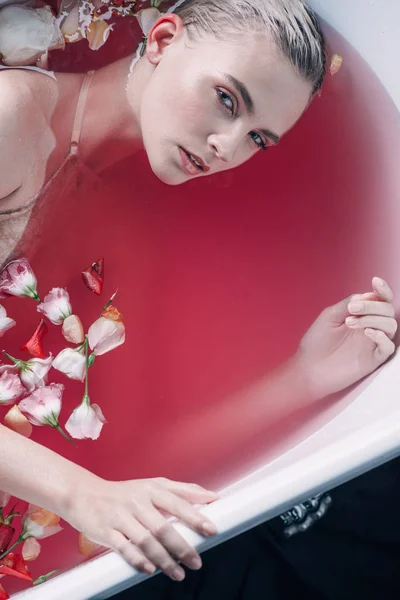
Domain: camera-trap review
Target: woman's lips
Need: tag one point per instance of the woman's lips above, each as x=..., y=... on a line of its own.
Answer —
x=188, y=164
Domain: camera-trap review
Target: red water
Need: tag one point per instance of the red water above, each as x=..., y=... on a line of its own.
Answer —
x=218, y=280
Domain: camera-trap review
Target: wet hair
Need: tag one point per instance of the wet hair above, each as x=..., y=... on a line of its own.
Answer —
x=292, y=25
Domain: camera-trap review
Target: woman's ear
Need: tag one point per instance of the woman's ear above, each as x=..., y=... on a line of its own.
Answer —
x=163, y=33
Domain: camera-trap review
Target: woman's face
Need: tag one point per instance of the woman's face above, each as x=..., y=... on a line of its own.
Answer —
x=210, y=105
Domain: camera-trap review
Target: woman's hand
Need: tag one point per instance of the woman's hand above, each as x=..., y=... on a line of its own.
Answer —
x=125, y=516
x=349, y=340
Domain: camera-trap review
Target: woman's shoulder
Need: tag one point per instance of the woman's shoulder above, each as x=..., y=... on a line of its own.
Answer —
x=21, y=119
x=20, y=92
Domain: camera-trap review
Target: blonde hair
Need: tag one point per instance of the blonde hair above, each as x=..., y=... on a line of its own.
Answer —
x=292, y=25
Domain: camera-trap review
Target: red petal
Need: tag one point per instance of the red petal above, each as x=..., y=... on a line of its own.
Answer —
x=6, y=534
x=14, y=564
x=34, y=345
x=98, y=267
x=3, y=593
x=92, y=281
x=93, y=276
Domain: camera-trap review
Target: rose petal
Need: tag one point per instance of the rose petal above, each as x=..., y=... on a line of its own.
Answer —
x=97, y=34
x=72, y=363
x=107, y=332
x=11, y=387
x=41, y=516
x=31, y=549
x=16, y=421
x=87, y=547
x=5, y=322
x=72, y=330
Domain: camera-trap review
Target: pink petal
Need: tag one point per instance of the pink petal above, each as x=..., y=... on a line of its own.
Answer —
x=16, y=421
x=31, y=549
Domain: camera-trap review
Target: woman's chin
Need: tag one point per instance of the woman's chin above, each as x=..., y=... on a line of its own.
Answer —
x=169, y=177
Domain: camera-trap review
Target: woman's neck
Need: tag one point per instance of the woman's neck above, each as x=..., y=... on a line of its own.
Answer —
x=111, y=129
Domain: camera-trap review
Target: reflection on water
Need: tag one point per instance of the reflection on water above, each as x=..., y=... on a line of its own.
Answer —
x=217, y=284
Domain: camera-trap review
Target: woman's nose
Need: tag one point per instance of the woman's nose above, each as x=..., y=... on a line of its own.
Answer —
x=224, y=147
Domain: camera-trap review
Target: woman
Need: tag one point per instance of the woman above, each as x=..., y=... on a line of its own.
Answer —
x=219, y=82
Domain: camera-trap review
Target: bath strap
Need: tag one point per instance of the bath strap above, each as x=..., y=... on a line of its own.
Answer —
x=80, y=110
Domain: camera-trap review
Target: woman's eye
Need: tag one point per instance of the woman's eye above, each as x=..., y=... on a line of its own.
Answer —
x=226, y=100
x=257, y=139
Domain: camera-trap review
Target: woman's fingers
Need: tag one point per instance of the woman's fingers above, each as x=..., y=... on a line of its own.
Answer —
x=383, y=290
x=154, y=541
x=385, y=324
x=171, y=540
x=384, y=347
x=178, y=507
x=368, y=296
x=130, y=553
x=190, y=491
x=368, y=307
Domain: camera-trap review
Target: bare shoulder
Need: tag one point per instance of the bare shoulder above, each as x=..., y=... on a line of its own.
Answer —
x=20, y=118
x=16, y=101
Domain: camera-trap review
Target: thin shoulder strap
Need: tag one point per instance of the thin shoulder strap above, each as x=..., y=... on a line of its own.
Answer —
x=80, y=110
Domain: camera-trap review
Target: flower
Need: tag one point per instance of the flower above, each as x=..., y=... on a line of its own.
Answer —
x=16, y=421
x=72, y=362
x=93, y=276
x=14, y=564
x=43, y=406
x=31, y=549
x=42, y=516
x=5, y=322
x=17, y=278
x=34, y=345
x=108, y=332
x=33, y=372
x=72, y=330
x=6, y=535
x=32, y=529
x=86, y=422
x=11, y=387
x=56, y=306
x=26, y=33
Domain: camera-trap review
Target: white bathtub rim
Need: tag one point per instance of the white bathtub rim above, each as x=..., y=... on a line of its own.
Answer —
x=248, y=503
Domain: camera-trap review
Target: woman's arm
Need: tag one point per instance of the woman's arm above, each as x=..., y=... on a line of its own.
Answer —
x=36, y=474
x=334, y=354
x=110, y=513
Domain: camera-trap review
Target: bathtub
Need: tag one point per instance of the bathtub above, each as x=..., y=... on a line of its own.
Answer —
x=199, y=269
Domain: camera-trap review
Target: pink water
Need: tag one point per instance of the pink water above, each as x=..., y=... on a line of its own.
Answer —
x=218, y=279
